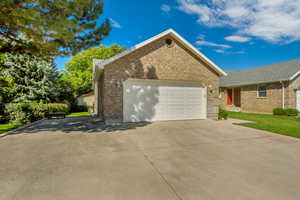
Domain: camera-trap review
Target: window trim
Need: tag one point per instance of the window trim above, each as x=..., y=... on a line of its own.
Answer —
x=257, y=91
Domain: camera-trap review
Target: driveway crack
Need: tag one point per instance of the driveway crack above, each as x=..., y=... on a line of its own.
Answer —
x=162, y=176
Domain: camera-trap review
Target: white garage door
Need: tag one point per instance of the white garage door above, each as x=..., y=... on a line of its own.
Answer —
x=161, y=100
x=298, y=99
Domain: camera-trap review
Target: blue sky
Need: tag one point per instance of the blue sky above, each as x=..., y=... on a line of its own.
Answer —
x=234, y=34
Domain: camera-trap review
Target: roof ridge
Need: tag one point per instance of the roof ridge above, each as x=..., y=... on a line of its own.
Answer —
x=268, y=65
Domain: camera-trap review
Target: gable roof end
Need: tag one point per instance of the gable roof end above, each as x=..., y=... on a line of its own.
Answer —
x=175, y=35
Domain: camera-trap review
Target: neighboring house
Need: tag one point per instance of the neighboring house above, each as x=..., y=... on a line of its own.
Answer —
x=262, y=89
x=163, y=78
x=87, y=100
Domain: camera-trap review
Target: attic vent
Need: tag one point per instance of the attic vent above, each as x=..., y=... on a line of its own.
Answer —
x=169, y=42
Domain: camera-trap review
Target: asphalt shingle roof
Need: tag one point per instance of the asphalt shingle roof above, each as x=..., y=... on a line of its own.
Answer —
x=270, y=73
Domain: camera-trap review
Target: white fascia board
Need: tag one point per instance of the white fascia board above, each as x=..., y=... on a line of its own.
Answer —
x=295, y=75
x=178, y=37
x=97, y=70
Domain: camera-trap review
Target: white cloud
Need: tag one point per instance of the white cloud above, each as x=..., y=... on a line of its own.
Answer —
x=276, y=21
x=220, y=51
x=237, y=52
x=219, y=48
x=237, y=38
x=229, y=52
x=202, y=42
x=165, y=8
x=212, y=44
x=114, y=23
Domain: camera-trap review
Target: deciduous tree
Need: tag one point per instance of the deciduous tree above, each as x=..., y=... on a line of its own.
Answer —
x=79, y=69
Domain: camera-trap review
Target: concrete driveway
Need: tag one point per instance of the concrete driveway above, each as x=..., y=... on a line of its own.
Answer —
x=182, y=160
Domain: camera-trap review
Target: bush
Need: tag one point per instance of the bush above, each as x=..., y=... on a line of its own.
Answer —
x=286, y=112
x=223, y=114
x=3, y=119
x=36, y=111
x=17, y=112
x=2, y=108
x=2, y=113
x=279, y=111
x=292, y=112
x=57, y=107
x=22, y=113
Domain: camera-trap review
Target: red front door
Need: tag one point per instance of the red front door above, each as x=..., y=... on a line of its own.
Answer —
x=229, y=96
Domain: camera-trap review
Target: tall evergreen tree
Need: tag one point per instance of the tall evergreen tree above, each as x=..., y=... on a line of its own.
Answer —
x=56, y=26
x=33, y=78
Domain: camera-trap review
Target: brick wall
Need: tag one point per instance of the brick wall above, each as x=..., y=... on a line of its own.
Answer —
x=251, y=103
x=157, y=61
x=291, y=93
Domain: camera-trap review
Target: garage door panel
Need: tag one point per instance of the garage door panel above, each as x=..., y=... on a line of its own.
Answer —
x=156, y=100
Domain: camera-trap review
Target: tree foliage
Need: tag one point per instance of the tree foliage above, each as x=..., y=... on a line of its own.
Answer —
x=79, y=69
x=30, y=78
x=56, y=26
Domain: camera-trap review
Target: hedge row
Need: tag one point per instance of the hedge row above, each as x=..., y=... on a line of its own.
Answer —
x=286, y=112
x=22, y=113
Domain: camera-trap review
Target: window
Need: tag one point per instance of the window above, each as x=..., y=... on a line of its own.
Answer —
x=262, y=91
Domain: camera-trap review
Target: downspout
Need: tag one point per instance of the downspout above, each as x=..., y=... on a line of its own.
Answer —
x=283, y=94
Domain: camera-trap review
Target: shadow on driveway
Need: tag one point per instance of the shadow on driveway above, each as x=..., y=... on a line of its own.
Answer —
x=82, y=124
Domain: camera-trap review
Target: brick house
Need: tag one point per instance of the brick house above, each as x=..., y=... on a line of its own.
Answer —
x=262, y=89
x=163, y=78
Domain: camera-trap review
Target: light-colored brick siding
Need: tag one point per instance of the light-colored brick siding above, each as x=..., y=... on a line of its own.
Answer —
x=251, y=103
x=291, y=93
x=159, y=62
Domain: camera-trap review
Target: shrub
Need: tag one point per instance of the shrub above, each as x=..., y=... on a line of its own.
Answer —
x=279, y=111
x=2, y=108
x=286, y=112
x=17, y=112
x=291, y=112
x=3, y=119
x=36, y=111
x=223, y=114
x=58, y=107
x=2, y=113
x=21, y=113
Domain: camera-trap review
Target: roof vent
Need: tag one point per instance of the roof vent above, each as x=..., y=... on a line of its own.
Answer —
x=169, y=42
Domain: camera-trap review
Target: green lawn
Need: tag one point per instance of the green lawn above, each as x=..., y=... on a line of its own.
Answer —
x=277, y=124
x=79, y=114
x=7, y=127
